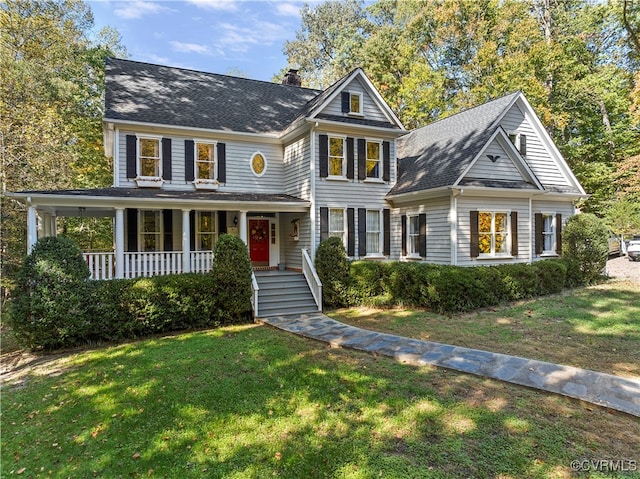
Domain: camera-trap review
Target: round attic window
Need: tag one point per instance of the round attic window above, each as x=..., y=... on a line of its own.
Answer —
x=258, y=164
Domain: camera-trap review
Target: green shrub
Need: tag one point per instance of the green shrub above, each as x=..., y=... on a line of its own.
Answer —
x=585, y=247
x=49, y=306
x=332, y=266
x=552, y=275
x=232, y=274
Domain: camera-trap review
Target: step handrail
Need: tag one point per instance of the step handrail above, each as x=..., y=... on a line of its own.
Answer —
x=254, y=294
x=310, y=274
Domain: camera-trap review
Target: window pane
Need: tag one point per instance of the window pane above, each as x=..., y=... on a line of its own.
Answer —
x=355, y=103
x=485, y=243
x=336, y=220
x=501, y=242
x=373, y=220
x=149, y=148
x=336, y=156
x=501, y=222
x=149, y=167
x=205, y=171
x=205, y=152
x=484, y=222
x=206, y=242
x=336, y=147
x=414, y=225
x=335, y=167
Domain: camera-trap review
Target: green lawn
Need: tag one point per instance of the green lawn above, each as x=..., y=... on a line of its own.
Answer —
x=253, y=402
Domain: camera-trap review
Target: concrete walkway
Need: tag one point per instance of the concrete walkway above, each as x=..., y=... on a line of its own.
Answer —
x=614, y=392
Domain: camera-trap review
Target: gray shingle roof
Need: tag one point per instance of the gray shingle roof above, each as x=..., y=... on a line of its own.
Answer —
x=437, y=154
x=149, y=93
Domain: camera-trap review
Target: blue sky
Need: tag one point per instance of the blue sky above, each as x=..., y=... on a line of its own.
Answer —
x=237, y=37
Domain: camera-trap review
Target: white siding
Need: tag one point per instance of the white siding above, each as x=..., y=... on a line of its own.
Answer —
x=297, y=171
x=239, y=176
x=370, y=109
x=538, y=158
x=290, y=249
x=503, y=168
x=468, y=203
x=438, y=229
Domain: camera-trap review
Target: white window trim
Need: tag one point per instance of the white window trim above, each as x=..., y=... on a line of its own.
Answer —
x=414, y=254
x=379, y=253
x=197, y=231
x=516, y=141
x=374, y=179
x=157, y=179
x=344, y=224
x=493, y=253
x=552, y=251
x=360, y=102
x=205, y=183
x=141, y=233
x=343, y=176
x=266, y=163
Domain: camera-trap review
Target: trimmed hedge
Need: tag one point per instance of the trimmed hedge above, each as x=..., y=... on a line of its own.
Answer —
x=54, y=304
x=448, y=289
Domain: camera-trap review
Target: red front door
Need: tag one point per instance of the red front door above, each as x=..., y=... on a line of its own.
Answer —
x=259, y=242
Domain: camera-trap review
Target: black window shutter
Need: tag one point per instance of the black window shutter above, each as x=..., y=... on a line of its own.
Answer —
x=362, y=159
x=362, y=232
x=523, y=144
x=324, y=223
x=559, y=233
x=192, y=230
x=222, y=162
x=350, y=158
x=403, y=220
x=475, y=239
x=351, y=235
x=189, y=153
x=346, y=102
x=539, y=237
x=166, y=158
x=167, y=220
x=222, y=221
x=324, y=156
x=132, y=153
x=422, y=223
x=386, y=161
x=132, y=229
x=386, y=224
x=514, y=233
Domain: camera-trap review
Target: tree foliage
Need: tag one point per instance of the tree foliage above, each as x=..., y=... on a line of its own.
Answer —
x=576, y=62
x=51, y=103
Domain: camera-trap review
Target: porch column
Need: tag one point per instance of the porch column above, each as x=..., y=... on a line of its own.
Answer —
x=186, y=243
x=32, y=227
x=119, y=232
x=243, y=226
x=54, y=225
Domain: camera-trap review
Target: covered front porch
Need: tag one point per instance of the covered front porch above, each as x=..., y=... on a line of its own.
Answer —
x=158, y=232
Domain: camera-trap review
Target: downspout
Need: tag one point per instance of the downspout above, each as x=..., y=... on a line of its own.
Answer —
x=453, y=223
x=312, y=172
x=116, y=158
x=531, y=234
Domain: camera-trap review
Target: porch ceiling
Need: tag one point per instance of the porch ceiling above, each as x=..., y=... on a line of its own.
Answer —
x=103, y=199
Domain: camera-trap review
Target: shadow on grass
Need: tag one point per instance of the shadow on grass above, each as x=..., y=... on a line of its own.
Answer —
x=252, y=402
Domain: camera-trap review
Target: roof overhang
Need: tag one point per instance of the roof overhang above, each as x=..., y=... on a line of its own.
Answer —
x=347, y=128
x=72, y=204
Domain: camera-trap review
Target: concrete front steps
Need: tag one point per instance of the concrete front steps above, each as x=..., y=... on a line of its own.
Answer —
x=283, y=292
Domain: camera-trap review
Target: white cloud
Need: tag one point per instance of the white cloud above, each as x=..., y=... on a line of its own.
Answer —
x=190, y=48
x=287, y=9
x=228, y=5
x=138, y=9
x=239, y=38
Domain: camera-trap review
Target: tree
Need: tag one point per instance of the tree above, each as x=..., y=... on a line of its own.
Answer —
x=51, y=101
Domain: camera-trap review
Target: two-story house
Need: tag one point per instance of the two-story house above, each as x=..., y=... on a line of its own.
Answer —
x=283, y=167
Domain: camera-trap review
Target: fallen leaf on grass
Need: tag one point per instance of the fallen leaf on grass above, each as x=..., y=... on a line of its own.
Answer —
x=136, y=455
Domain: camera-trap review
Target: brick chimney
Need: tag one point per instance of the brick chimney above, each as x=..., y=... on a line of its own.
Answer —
x=292, y=78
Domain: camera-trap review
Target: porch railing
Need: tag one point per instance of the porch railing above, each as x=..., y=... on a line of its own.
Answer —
x=142, y=264
x=254, y=294
x=310, y=274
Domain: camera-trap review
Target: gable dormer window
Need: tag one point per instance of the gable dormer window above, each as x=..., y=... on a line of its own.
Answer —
x=519, y=140
x=352, y=103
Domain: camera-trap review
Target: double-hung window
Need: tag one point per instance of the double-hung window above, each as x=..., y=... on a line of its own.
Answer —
x=374, y=159
x=548, y=233
x=206, y=233
x=493, y=230
x=413, y=234
x=374, y=230
x=205, y=161
x=337, y=160
x=355, y=103
x=151, y=230
x=149, y=158
x=336, y=223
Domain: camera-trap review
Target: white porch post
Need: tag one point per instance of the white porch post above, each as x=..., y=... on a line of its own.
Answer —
x=119, y=232
x=32, y=227
x=54, y=225
x=186, y=243
x=243, y=227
